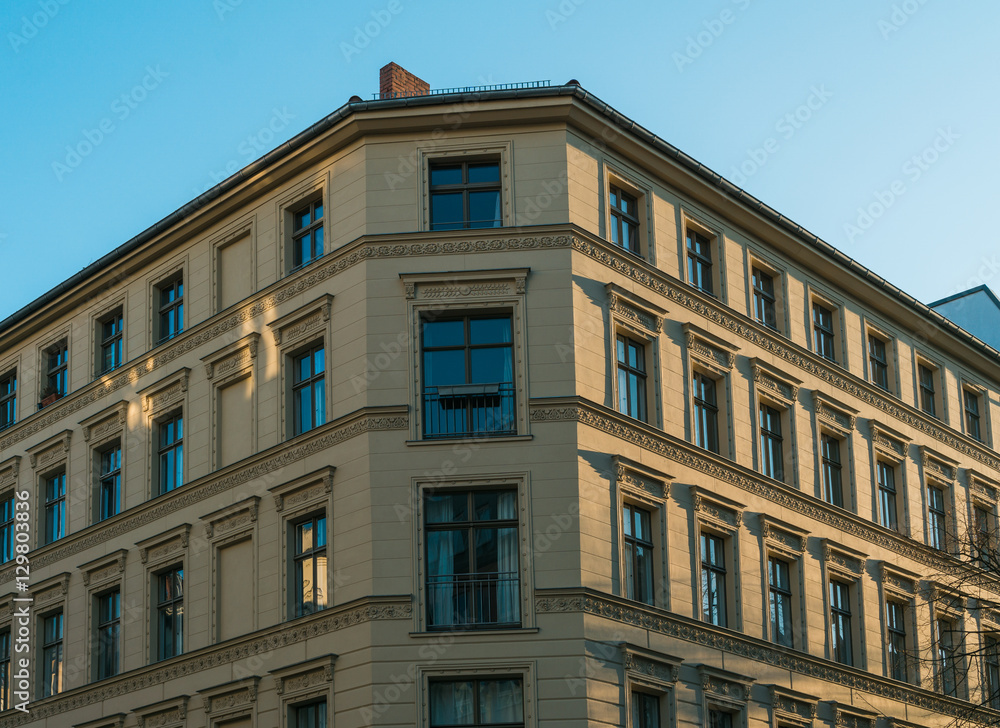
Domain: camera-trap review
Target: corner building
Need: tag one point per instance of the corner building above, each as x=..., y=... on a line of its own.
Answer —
x=490, y=407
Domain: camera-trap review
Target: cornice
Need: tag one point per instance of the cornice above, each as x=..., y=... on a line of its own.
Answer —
x=680, y=451
x=357, y=423
x=587, y=601
x=261, y=643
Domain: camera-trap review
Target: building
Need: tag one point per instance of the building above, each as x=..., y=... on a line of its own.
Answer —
x=490, y=407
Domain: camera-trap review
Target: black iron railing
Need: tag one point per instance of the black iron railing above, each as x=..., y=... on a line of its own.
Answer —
x=469, y=600
x=470, y=410
x=464, y=90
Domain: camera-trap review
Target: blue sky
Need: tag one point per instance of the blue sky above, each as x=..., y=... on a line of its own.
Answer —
x=872, y=123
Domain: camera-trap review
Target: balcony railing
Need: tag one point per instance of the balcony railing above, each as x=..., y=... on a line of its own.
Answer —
x=474, y=600
x=470, y=410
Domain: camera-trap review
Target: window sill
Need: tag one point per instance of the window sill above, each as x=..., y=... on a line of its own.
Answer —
x=478, y=633
x=477, y=440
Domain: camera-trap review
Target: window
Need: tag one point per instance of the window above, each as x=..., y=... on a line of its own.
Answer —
x=497, y=701
x=764, y=301
x=309, y=389
x=720, y=719
x=699, y=261
x=982, y=536
x=706, y=413
x=109, y=481
x=8, y=400
x=310, y=566
x=55, y=507
x=896, y=651
x=833, y=489
x=110, y=352
x=638, y=554
x=5, y=672
x=771, y=456
x=936, y=518
x=169, y=593
x=468, y=372
x=170, y=316
x=878, y=362
x=645, y=710
x=631, y=377
x=310, y=715
x=780, y=601
x=971, y=401
x=57, y=360
x=948, y=640
x=465, y=195
x=841, y=635
x=7, y=528
x=928, y=395
x=991, y=660
x=472, y=559
x=887, y=495
x=170, y=453
x=823, y=332
x=624, y=219
x=307, y=234
x=713, y=579
x=108, y=634
x=52, y=654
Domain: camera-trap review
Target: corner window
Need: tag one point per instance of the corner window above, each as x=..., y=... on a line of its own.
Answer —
x=169, y=600
x=465, y=195
x=639, y=550
x=109, y=481
x=52, y=654
x=833, y=487
x=878, y=362
x=631, y=356
x=56, y=377
x=764, y=299
x=624, y=222
x=8, y=400
x=170, y=453
x=887, y=495
x=713, y=579
x=307, y=233
x=496, y=701
x=824, y=336
x=110, y=337
x=309, y=389
x=971, y=402
x=170, y=311
x=841, y=628
x=108, y=624
x=55, y=506
x=473, y=578
x=927, y=380
x=706, y=412
x=468, y=376
x=771, y=442
x=699, y=261
x=310, y=576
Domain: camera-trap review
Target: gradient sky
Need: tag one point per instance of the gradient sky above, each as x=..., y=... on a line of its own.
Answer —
x=117, y=113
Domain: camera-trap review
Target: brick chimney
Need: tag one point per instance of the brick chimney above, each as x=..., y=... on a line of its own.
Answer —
x=395, y=81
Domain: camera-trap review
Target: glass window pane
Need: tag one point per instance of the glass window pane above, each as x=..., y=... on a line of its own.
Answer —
x=447, y=507
x=444, y=367
x=491, y=366
x=452, y=703
x=500, y=701
x=451, y=175
x=444, y=333
x=484, y=209
x=489, y=331
x=489, y=172
x=446, y=211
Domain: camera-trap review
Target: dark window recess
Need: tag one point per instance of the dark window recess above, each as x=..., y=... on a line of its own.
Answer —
x=307, y=234
x=465, y=195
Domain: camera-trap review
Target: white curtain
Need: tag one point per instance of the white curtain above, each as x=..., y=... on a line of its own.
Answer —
x=440, y=563
x=508, y=593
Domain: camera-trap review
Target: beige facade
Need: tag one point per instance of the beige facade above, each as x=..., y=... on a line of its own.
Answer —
x=229, y=473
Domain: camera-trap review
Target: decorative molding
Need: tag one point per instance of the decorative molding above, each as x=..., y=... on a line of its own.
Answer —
x=109, y=721
x=792, y=705
x=235, y=357
x=835, y=413
x=236, y=696
x=808, y=362
x=50, y=590
x=781, y=534
x=171, y=712
x=166, y=392
x=292, y=327
x=645, y=663
x=709, y=349
x=50, y=451
x=261, y=643
x=980, y=485
x=633, y=309
x=842, y=558
x=305, y=490
x=640, y=478
x=104, y=568
x=263, y=465
x=849, y=716
x=937, y=465
x=164, y=545
x=896, y=578
x=705, y=636
x=106, y=422
x=237, y=517
x=723, y=684
x=498, y=283
x=717, y=509
x=783, y=496
x=9, y=470
x=304, y=675
x=776, y=383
